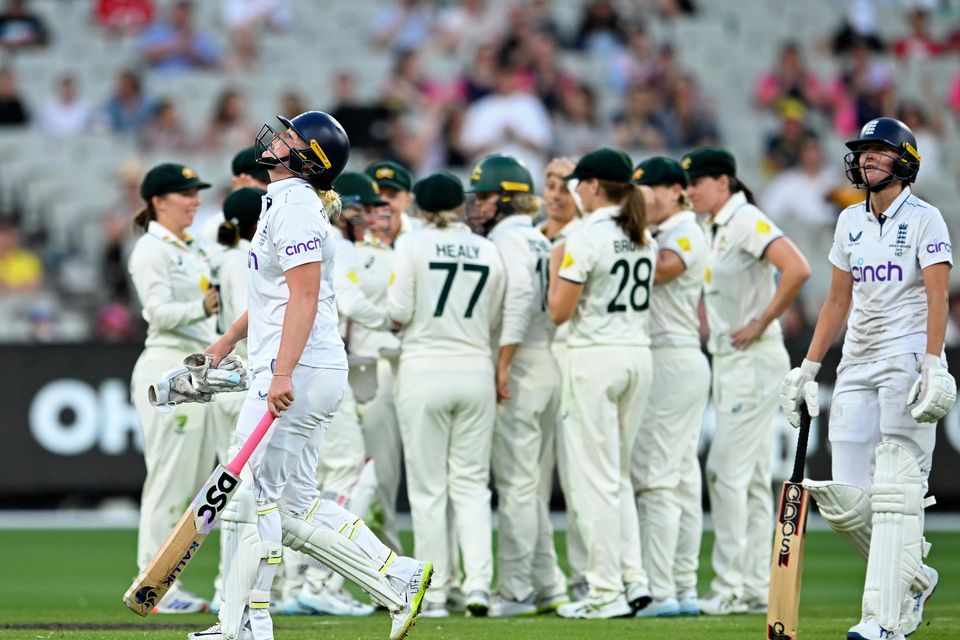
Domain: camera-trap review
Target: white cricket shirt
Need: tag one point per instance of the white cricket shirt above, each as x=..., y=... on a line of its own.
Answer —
x=375, y=272
x=886, y=258
x=526, y=258
x=738, y=282
x=448, y=292
x=171, y=277
x=673, y=305
x=293, y=230
x=352, y=304
x=230, y=268
x=617, y=274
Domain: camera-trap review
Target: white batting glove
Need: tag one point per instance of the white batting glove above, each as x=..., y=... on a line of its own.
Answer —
x=209, y=380
x=176, y=387
x=800, y=386
x=934, y=391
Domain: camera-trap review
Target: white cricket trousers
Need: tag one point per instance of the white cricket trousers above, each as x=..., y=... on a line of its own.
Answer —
x=746, y=388
x=605, y=395
x=523, y=445
x=381, y=434
x=869, y=406
x=681, y=386
x=447, y=409
x=179, y=449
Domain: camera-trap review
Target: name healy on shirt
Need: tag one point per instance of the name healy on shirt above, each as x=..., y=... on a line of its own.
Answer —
x=457, y=251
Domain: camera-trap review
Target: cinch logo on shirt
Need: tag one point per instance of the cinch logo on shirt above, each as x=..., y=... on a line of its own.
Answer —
x=877, y=273
x=299, y=247
x=937, y=247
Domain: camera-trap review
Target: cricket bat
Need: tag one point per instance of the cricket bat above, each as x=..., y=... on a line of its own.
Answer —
x=196, y=523
x=786, y=570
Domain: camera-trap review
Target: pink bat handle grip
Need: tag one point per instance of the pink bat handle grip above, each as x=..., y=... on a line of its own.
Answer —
x=235, y=465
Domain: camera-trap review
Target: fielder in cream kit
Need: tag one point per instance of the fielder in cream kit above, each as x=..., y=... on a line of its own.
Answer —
x=891, y=260
x=666, y=470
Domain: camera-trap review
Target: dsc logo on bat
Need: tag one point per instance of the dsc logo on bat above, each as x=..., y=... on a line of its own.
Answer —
x=212, y=498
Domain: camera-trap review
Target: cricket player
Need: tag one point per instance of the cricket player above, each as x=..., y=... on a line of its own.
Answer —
x=299, y=373
x=528, y=389
x=891, y=261
x=171, y=275
x=447, y=297
x=600, y=282
x=666, y=470
x=743, y=299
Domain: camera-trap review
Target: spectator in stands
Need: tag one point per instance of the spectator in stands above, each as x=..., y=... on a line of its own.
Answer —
x=928, y=128
x=248, y=15
x=918, y=44
x=123, y=16
x=165, y=131
x=634, y=64
x=65, y=114
x=406, y=86
x=861, y=92
x=367, y=123
x=511, y=121
x=480, y=77
x=670, y=10
x=641, y=124
x=20, y=269
x=13, y=112
x=783, y=146
x=800, y=195
x=690, y=122
x=464, y=27
x=857, y=29
x=116, y=229
x=601, y=28
x=578, y=121
x=789, y=79
x=115, y=322
x=21, y=29
x=291, y=104
x=176, y=45
x=244, y=53
x=403, y=26
x=229, y=127
x=550, y=80
x=127, y=109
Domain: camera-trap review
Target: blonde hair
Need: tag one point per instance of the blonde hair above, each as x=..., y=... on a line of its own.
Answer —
x=686, y=204
x=330, y=200
x=442, y=219
x=528, y=203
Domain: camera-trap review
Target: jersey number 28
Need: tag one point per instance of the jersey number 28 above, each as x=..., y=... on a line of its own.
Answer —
x=451, y=269
x=639, y=292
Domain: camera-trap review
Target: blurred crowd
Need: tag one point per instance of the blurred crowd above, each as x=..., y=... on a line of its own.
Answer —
x=524, y=83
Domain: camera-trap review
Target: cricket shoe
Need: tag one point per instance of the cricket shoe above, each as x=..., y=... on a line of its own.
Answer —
x=660, y=608
x=327, y=602
x=179, y=600
x=508, y=608
x=550, y=604
x=754, y=605
x=717, y=604
x=689, y=603
x=911, y=615
x=216, y=633
x=597, y=608
x=434, y=610
x=478, y=604
x=869, y=629
x=413, y=592
x=638, y=596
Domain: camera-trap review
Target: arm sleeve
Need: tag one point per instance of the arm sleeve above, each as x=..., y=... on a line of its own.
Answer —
x=149, y=270
x=838, y=255
x=687, y=242
x=519, y=295
x=299, y=235
x=401, y=294
x=579, y=256
x=933, y=241
x=351, y=302
x=756, y=230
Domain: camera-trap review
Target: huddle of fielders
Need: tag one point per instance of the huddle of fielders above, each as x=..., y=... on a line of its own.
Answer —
x=478, y=332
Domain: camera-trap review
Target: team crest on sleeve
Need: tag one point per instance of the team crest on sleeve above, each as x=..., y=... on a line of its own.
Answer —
x=684, y=243
x=567, y=260
x=763, y=227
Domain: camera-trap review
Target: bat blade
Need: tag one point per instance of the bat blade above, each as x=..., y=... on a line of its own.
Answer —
x=182, y=544
x=786, y=567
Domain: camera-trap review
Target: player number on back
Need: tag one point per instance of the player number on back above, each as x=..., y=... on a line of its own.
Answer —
x=451, y=269
x=639, y=295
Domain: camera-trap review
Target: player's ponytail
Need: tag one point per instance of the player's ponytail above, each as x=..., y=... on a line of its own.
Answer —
x=141, y=220
x=228, y=233
x=684, y=201
x=736, y=185
x=633, y=208
x=330, y=200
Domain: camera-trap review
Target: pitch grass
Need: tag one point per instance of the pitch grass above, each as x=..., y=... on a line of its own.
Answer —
x=68, y=585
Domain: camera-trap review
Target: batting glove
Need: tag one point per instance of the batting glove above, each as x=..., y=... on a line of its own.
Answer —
x=934, y=391
x=206, y=379
x=176, y=387
x=800, y=386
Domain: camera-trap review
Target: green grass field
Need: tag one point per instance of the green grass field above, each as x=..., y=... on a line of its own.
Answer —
x=68, y=584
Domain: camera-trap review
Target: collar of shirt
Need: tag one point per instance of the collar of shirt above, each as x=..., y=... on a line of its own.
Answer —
x=274, y=189
x=674, y=220
x=730, y=207
x=374, y=241
x=603, y=213
x=516, y=220
x=892, y=210
x=158, y=230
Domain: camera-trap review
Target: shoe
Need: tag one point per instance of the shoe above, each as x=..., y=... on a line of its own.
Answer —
x=911, y=615
x=549, y=604
x=416, y=587
x=597, y=608
x=215, y=633
x=689, y=603
x=508, y=608
x=178, y=600
x=660, y=608
x=288, y=607
x=638, y=596
x=716, y=604
x=327, y=602
x=869, y=630
x=754, y=604
x=478, y=604
x=456, y=600
x=434, y=610
x=579, y=591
